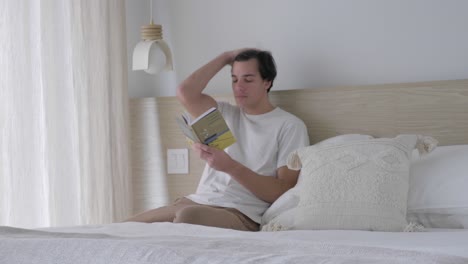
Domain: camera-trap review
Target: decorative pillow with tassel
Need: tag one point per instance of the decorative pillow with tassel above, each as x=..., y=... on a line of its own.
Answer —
x=358, y=185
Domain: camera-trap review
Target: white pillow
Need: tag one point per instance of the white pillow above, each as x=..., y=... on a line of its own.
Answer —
x=353, y=185
x=438, y=194
x=290, y=199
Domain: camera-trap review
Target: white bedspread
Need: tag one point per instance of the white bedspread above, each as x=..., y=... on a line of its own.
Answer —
x=181, y=243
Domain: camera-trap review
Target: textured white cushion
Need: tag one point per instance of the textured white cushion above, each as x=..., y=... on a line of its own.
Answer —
x=353, y=185
x=290, y=199
x=438, y=195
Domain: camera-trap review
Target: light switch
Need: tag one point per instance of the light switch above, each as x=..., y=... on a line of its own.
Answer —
x=177, y=161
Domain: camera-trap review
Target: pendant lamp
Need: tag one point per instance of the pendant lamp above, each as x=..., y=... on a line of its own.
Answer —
x=152, y=54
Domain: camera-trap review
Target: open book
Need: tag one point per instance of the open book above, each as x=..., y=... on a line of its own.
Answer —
x=210, y=128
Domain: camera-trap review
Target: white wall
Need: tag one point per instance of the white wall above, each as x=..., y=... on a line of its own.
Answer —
x=316, y=43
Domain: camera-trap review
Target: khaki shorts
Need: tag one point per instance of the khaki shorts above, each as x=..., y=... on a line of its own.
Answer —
x=184, y=210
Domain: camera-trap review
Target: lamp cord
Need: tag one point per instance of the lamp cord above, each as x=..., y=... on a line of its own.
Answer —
x=151, y=11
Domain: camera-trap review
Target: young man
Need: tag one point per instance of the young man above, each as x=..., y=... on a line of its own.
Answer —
x=239, y=183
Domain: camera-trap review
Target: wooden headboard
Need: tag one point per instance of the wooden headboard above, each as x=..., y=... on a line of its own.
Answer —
x=438, y=109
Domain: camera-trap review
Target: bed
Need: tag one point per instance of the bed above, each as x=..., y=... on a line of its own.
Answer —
x=170, y=243
x=435, y=201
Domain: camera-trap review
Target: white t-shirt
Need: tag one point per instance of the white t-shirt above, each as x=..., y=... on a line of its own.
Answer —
x=263, y=145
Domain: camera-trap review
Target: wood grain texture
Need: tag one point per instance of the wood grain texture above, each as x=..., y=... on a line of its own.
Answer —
x=147, y=162
x=438, y=109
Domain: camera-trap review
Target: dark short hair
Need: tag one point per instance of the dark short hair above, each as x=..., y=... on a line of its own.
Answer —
x=266, y=63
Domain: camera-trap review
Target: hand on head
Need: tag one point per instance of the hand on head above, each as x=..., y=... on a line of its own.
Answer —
x=233, y=53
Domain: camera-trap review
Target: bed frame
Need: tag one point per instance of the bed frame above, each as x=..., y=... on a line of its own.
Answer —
x=438, y=109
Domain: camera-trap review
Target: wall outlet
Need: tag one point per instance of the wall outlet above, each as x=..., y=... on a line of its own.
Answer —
x=177, y=161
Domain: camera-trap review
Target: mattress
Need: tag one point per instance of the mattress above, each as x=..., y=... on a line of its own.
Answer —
x=184, y=243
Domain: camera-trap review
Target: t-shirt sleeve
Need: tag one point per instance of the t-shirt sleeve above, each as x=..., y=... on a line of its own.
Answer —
x=293, y=136
x=225, y=108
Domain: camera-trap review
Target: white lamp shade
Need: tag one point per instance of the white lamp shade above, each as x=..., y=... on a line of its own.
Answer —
x=152, y=56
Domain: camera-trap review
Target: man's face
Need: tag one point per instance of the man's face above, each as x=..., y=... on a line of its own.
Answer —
x=247, y=84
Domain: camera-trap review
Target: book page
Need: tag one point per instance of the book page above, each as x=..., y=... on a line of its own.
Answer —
x=188, y=132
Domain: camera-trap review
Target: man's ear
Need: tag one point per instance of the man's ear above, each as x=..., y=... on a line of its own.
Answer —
x=267, y=84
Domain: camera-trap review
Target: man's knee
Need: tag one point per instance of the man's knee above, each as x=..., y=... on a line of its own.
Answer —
x=192, y=215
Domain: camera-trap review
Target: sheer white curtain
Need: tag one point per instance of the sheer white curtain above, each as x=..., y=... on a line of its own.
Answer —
x=63, y=113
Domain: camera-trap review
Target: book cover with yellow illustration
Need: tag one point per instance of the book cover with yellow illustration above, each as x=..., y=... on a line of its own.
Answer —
x=210, y=128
